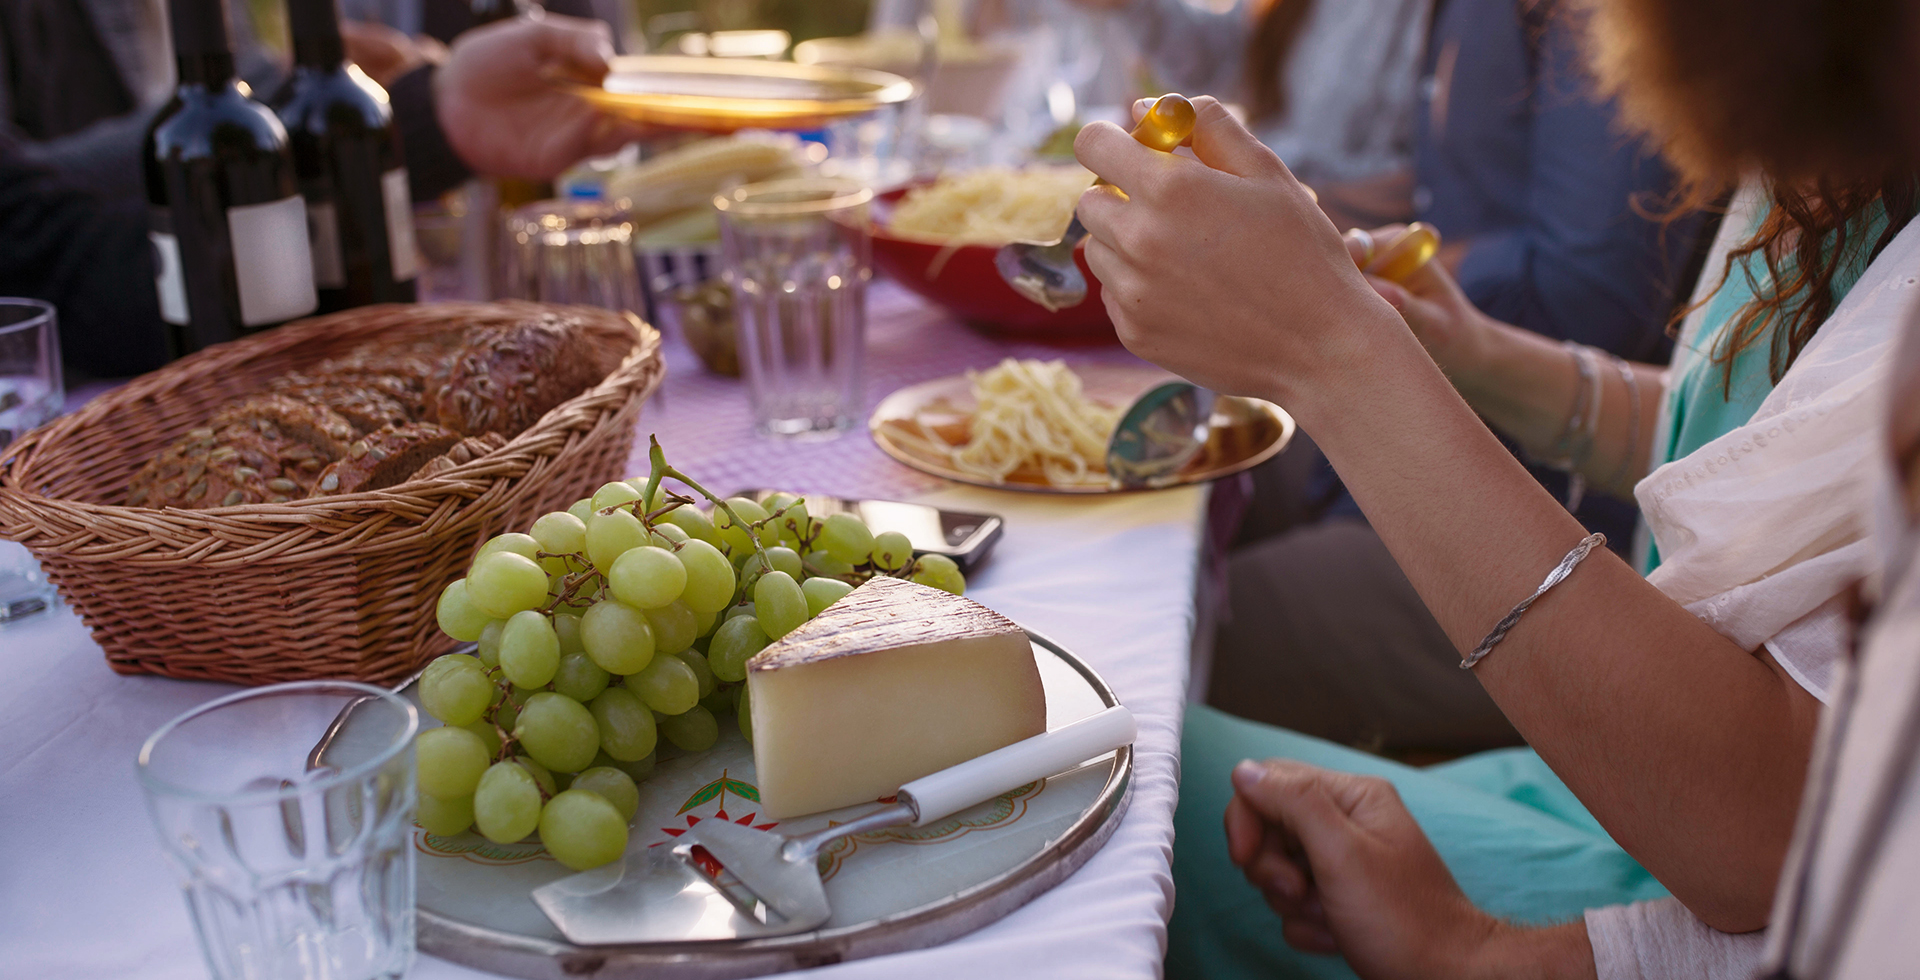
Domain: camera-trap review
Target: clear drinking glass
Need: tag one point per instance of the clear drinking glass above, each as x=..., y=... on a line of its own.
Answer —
x=288, y=812
x=31, y=394
x=578, y=251
x=798, y=257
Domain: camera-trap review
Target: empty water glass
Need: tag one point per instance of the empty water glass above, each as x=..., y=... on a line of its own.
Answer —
x=798, y=257
x=288, y=812
x=578, y=251
x=31, y=394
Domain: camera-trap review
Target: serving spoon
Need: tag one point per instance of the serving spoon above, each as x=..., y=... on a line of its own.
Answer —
x=1045, y=272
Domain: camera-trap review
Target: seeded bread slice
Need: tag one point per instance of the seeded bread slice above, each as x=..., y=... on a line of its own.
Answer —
x=381, y=459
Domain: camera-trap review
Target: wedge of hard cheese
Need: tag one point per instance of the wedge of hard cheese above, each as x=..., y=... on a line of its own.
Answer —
x=892, y=682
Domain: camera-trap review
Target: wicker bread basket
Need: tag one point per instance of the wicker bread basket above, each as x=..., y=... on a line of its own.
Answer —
x=334, y=587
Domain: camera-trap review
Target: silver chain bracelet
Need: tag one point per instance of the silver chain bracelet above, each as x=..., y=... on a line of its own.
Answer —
x=1555, y=577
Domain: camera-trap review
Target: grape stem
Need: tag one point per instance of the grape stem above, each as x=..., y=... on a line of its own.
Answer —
x=658, y=459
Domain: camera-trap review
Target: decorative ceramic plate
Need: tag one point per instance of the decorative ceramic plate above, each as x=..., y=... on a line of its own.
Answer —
x=722, y=95
x=892, y=890
x=1243, y=432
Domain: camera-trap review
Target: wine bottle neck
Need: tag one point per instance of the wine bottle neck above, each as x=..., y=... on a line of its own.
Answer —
x=315, y=25
x=199, y=34
x=208, y=70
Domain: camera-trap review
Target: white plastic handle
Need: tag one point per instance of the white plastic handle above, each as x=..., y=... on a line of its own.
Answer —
x=985, y=777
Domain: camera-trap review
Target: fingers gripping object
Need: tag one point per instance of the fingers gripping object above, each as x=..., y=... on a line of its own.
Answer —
x=1407, y=255
x=1045, y=272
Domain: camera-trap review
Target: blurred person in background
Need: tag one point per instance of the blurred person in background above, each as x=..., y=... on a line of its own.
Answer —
x=1549, y=215
x=1671, y=705
x=79, y=83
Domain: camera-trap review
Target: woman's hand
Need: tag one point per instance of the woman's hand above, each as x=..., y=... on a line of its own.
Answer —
x=502, y=101
x=1343, y=863
x=1449, y=326
x=1222, y=269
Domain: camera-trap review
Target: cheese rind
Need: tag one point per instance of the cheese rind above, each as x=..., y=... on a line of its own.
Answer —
x=893, y=682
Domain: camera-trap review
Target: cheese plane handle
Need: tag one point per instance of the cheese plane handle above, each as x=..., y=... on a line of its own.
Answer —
x=957, y=787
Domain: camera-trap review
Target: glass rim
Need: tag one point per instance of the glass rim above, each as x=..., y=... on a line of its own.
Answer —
x=47, y=313
x=160, y=787
x=834, y=194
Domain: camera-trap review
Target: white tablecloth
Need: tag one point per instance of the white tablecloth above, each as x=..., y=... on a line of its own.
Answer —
x=86, y=893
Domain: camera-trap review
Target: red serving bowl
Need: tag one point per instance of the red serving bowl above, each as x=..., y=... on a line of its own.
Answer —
x=967, y=285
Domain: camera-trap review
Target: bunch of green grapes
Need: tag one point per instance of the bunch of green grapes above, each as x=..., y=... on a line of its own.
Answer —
x=623, y=620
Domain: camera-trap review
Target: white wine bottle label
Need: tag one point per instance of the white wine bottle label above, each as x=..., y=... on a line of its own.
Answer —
x=323, y=237
x=271, y=261
x=167, y=277
x=400, y=243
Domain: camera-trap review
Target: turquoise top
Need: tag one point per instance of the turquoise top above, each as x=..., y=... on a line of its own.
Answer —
x=1698, y=407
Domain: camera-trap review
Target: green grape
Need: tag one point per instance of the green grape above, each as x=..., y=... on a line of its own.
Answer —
x=566, y=626
x=777, y=500
x=582, y=830
x=579, y=677
x=697, y=525
x=611, y=535
x=626, y=726
x=529, y=649
x=458, y=616
x=846, y=538
x=784, y=559
x=613, y=495
x=647, y=578
x=720, y=702
x=639, y=483
x=940, y=572
x=444, y=817
x=891, y=550
x=506, y=711
x=739, y=540
x=450, y=761
x=614, y=786
x=703, y=624
x=488, y=735
x=734, y=644
x=693, y=730
x=674, y=627
x=504, y=583
x=617, y=637
x=735, y=612
x=560, y=533
x=542, y=776
x=794, y=525
x=638, y=770
x=823, y=592
x=780, y=604
x=581, y=510
x=821, y=563
x=506, y=804
x=557, y=731
x=667, y=536
x=667, y=686
x=458, y=692
x=743, y=713
x=702, y=672
x=710, y=579
x=519, y=544
x=488, y=649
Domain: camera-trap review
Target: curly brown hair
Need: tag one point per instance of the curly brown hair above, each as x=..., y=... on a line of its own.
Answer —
x=1803, y=92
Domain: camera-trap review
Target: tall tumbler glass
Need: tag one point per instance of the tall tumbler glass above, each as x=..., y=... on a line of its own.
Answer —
x=288, y=812
x=798, y=256
x=31, y=394
x=576, y=251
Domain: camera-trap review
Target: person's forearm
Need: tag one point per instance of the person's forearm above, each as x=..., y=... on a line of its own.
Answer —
x=1525, y=386
x=1688, y=749
x=1512, y=952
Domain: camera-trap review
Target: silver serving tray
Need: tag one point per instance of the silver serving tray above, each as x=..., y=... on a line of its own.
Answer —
x=1073, y=689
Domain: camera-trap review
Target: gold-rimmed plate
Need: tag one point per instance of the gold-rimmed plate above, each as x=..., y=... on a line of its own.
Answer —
x=1243, y=433
x=721, y=95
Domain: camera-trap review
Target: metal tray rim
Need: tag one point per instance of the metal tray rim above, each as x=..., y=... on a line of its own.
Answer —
x=927, y=925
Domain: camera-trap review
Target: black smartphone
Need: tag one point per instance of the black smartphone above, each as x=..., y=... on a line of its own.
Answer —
x=964, y=537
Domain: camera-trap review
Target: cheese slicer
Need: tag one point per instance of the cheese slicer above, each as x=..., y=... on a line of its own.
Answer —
x=1045, y=272
x=769, y=884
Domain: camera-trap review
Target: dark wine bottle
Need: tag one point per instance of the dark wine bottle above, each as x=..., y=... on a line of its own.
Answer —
x=347, y=153
x=229, y=229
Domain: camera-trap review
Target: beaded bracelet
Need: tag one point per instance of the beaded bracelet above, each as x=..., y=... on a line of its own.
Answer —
x=1555, y=577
